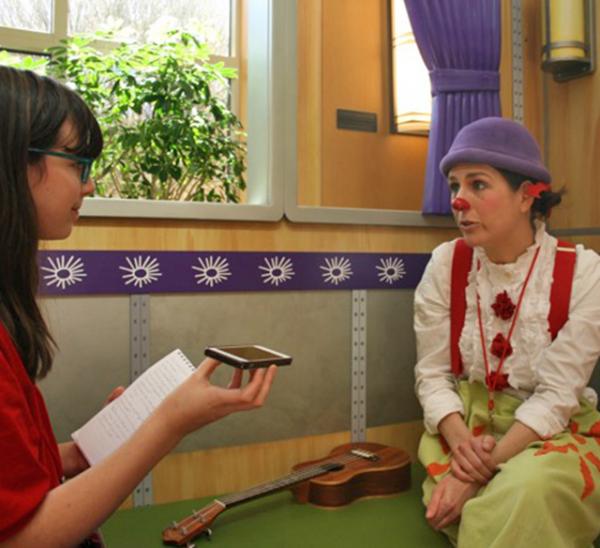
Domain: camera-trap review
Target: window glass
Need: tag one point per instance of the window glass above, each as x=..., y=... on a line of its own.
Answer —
x=136, y=21
x=412, y=88
x=30, y=15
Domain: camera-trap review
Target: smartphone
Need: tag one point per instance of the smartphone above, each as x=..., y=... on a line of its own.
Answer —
x=247, y=356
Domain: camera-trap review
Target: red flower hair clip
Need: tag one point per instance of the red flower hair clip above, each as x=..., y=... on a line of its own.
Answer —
x=503, y=306
x=499, y=344
x=536, y=189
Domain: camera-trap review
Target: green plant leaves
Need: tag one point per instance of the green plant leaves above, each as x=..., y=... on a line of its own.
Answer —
x=167, y=135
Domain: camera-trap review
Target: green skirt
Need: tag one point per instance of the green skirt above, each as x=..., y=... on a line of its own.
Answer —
x=548, y=495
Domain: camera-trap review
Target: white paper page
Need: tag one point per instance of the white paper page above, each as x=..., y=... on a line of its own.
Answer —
x=116, y=422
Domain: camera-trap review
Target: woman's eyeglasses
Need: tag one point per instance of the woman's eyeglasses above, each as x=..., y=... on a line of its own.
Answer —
x=86, y=163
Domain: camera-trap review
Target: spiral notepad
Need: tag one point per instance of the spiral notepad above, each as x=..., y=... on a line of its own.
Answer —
x=114, y=424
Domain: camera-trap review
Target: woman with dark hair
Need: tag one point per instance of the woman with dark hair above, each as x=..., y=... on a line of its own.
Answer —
x=508, y=333
x=48, y=141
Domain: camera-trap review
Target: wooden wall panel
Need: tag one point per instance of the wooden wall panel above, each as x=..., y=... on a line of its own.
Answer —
x=308, y=119
x=565, y=120
x=217, y=471
x=573, y=148
x=590, y=242
x=532, y=74
x=163, y=235
x=377, y=170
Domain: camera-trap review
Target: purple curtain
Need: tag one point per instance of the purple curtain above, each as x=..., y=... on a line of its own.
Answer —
x=459, y=41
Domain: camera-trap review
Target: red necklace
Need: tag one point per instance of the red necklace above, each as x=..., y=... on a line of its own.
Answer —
x=491, y=380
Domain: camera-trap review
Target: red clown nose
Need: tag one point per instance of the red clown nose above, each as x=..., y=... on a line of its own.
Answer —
x=460, y=204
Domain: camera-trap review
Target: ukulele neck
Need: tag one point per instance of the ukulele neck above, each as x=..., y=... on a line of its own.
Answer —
x=258, y=491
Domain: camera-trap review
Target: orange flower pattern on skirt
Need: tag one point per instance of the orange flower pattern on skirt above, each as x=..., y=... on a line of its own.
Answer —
x=594, y=434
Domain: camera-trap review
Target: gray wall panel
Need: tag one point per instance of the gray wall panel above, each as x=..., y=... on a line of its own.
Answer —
x=391, y=358
x=92, y=334
x=312, y=396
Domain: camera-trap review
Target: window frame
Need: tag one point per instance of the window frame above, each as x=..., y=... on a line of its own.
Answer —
x=30, y=41
x=396, y=79
x=266, y=135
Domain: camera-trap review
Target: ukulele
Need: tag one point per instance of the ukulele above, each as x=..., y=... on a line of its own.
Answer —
x=349, y=472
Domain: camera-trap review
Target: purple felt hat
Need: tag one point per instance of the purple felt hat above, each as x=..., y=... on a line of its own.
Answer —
x=500, y=143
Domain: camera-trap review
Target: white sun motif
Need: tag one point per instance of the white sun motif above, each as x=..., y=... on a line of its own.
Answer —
x=141, y=271
x=391, y=270
x=277, y=271
x=338, y=269
x=212, y=271
x=64, y=271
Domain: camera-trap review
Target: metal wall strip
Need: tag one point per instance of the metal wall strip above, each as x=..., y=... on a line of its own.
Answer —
x=517, y=62
x=139, y=344
x=359, y=366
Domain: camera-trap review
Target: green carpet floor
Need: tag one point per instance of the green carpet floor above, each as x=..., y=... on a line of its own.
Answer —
x=278, y=521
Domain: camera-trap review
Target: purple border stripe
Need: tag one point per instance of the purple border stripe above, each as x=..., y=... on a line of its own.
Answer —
x=134, y=272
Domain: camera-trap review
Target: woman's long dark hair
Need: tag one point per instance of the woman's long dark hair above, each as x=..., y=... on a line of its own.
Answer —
x=32, y=110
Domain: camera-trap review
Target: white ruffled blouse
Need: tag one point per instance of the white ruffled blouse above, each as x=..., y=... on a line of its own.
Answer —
x=550, y=377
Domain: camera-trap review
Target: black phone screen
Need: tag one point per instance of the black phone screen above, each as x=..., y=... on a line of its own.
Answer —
x=248, y=356
x=252, y=353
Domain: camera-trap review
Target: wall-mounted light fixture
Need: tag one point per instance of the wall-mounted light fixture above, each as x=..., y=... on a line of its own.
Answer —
x=411, y=88
x=568, y=28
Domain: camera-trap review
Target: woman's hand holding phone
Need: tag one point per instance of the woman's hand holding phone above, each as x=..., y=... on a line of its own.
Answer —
x=197, y=402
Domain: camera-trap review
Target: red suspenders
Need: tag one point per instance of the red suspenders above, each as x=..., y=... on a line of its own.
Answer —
x=461, y=265
x=560, y=293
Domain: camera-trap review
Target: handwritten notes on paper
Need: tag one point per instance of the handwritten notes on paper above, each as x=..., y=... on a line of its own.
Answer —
x=115, y=423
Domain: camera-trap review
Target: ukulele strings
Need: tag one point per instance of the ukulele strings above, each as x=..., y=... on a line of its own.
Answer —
x=290, y=479
x=303, y=474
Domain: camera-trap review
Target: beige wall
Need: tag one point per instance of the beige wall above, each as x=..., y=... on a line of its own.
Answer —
x=573, y=148
x=359, y=169
x=567, y=124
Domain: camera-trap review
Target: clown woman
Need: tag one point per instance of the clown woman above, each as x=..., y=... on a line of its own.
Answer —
x=507, y=320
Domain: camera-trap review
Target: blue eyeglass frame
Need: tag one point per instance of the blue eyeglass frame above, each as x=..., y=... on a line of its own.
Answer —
x=86, y=163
